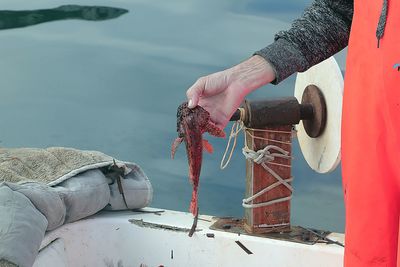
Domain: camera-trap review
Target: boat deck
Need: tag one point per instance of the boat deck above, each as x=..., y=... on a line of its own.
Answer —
x=158, y=237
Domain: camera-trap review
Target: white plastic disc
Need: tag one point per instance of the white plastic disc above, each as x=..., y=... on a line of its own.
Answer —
x=323, y=153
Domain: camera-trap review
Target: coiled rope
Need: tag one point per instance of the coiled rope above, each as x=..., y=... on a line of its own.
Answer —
x=262, y=157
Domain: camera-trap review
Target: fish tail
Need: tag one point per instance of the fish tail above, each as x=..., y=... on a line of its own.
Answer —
x=194, y=203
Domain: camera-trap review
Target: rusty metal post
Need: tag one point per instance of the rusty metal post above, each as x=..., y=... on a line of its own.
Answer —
x=274, y=217
x=270, y=122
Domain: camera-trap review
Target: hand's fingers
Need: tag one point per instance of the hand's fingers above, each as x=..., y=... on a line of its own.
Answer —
x=220, y=125
x=220, y=122
x=194, y=101
x=194, y=92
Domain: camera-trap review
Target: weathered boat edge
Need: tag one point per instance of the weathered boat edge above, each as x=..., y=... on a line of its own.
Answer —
x=158, y=237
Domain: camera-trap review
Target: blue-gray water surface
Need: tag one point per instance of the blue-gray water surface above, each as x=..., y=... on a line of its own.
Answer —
x=111, y=80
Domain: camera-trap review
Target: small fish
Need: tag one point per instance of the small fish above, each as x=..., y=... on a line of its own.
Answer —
x=191, y=124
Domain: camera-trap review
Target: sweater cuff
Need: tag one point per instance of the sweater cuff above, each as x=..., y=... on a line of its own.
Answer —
x=284, y=58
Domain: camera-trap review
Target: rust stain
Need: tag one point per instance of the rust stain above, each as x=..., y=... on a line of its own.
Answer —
x=142, y=223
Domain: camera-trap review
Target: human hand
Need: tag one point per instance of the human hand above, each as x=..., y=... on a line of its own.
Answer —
x=221, y=93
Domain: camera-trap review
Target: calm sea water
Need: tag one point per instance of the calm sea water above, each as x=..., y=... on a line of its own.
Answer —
x=114, y=84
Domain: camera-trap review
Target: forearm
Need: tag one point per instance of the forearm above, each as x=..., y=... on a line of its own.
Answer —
x=252, y=73
x=322, y=31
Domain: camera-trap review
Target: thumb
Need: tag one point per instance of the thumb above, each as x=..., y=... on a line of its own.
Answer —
x=193, y=101
x=194, y=92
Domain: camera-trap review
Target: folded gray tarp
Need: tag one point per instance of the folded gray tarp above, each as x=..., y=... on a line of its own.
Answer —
x=42, y=189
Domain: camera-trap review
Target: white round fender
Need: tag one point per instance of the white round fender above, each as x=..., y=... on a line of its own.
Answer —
x=323, y=152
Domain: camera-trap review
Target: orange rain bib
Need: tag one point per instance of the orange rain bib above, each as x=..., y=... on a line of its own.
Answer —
x=371, y=137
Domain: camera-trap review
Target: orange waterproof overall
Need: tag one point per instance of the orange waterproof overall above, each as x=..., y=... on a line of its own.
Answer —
x=371, y=137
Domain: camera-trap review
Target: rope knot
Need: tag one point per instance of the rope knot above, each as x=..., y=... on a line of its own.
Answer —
x=264, y=155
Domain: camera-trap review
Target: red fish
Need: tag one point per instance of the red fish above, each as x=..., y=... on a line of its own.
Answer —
x=191, y=124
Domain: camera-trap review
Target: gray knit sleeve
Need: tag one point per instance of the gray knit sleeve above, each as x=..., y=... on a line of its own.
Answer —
x=322, y=31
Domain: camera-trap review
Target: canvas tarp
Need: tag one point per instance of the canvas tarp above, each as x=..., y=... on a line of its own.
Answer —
x=43, y=189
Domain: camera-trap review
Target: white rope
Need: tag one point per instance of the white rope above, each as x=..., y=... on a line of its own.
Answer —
x=237, y=127
x=263, y=157
x=264, y=154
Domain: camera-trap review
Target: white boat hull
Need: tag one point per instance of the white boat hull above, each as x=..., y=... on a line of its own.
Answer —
x=120, y=239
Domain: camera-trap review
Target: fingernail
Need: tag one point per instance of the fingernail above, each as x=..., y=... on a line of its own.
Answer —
x=190, y=103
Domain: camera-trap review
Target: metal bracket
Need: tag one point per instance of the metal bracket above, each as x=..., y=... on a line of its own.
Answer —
x=296, y=234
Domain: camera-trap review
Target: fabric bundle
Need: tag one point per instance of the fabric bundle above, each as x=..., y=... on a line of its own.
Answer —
x=42, y=189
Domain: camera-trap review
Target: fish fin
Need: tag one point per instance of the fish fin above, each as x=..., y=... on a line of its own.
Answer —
x=207, y=146
x=175, y=145
x=214, y=130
